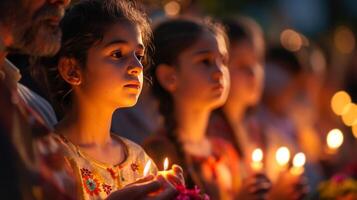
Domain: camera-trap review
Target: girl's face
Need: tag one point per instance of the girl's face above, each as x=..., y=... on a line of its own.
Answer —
x=246, y=73
x=202, y=74
x=113, y=74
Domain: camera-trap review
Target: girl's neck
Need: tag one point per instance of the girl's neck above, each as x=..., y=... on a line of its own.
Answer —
x=87, y=124
x=234, y=111
x=191, y=123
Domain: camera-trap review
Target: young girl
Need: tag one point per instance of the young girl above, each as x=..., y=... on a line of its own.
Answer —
x=99, y=69
x=190, y=79
x=246, y=71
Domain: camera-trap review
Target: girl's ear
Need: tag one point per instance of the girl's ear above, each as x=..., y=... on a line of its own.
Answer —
x=70, y=70
x=167, y=77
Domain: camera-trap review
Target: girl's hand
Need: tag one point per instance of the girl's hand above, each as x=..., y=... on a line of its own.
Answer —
x=289, y=187
x=176, y=176
x=146, y=188
x=255, y=187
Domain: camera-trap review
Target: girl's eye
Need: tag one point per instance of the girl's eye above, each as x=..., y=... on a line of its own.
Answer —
x=206, y=62
x=116, y=54
x=140, y=57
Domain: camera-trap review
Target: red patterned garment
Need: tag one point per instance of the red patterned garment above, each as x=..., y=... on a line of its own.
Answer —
x=216, y=174
x=32, y=163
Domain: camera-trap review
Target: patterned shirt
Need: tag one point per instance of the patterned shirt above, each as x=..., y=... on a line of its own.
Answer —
x=96, y=180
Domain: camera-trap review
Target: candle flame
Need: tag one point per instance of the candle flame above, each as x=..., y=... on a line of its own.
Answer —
x=166, y=164
x=147, y=168
x=299, y=160
x=257, y=155
x=334, y=138
x=282, y=156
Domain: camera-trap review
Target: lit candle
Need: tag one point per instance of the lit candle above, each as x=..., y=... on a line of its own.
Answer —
x=166, y=166
x=282, y=157
x=257, y=157
x=334, y=140
x=147, y=168
x=298, y=164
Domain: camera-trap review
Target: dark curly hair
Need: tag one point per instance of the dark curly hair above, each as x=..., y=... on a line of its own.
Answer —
x=83, y=26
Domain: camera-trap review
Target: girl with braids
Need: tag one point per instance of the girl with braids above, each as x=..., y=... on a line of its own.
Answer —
x=97, y=70
x=190, y=79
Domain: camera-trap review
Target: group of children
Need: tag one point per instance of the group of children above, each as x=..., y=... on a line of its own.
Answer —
x=206, y=77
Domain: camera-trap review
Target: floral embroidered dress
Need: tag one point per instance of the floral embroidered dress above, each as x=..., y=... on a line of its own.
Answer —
x=96, y=180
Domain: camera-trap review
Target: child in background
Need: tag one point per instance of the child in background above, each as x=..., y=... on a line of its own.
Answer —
x=190, y=79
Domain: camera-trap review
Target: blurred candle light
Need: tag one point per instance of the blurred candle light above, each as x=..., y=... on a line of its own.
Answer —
x=354, y=130
x=291, y=40
x=349, y=118
x=334, y=139
x=166, y=164
x=340, y=102
x=344, y=40
x=298, y=164
x=282, y=156
x=257, y=157
x=147, y=168
x=172, y=8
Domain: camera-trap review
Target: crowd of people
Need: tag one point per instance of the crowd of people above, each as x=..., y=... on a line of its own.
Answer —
x=119, y=94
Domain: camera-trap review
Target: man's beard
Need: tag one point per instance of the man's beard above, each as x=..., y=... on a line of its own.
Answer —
x=39, y=37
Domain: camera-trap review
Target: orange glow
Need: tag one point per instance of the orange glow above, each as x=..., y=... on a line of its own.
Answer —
x=344, y=40
x=354, y=130
x=172, y=8
x=340, y=102
x=349, y=117
x=291, y=40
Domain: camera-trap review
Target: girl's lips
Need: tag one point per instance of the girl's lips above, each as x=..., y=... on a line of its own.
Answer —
x=134, y=85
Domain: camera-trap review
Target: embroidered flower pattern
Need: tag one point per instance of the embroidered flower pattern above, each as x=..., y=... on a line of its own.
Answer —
x=91, y=184
x=134, y=167
x=107, y=188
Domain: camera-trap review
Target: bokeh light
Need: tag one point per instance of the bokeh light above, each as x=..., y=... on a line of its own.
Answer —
x=344, y=40
x=172, y=8
x=349, y=117
x=334, y=139
x=340, y=102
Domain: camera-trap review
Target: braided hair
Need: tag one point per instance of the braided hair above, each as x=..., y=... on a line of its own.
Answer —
x=170, y=39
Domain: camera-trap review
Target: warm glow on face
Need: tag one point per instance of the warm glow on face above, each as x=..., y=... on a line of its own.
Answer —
x=282, y=156
x=147, y=168
x=257, y=155
x=166, y=164
x=299, y=160
x=334, y=139
x=340, y=102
